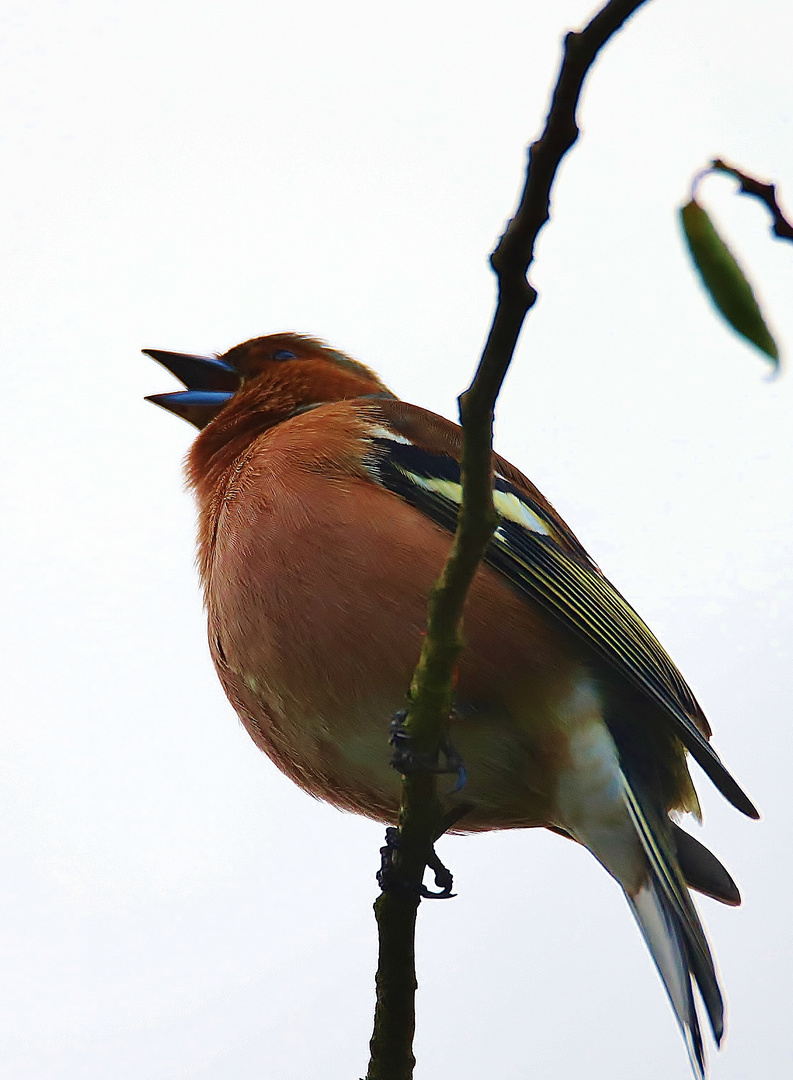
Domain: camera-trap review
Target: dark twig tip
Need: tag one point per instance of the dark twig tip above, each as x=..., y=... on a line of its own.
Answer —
x=757, y=189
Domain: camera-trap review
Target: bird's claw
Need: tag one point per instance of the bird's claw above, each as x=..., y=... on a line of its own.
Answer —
x=391, y=880
x=443, y=879
x=406, y=760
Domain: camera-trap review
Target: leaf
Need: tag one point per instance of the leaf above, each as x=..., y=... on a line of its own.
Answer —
x=725, y=281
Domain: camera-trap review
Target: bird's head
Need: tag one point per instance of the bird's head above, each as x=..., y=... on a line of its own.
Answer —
x=236, y=397
x=270, y=378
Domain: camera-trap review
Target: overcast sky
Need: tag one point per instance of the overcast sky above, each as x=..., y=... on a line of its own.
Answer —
x=186, y=176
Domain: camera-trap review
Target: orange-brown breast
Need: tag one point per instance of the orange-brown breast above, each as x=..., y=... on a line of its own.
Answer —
x=316, y=583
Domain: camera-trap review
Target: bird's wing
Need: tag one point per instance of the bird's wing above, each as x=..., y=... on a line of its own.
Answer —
x=415, y=456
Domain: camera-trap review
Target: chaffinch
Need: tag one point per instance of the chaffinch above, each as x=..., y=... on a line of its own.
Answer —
x=326, y=506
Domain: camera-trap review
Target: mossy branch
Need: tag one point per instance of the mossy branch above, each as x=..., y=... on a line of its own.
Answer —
x=431, y=691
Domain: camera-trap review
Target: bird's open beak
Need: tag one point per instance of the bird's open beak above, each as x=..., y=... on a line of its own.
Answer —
x=210, y=383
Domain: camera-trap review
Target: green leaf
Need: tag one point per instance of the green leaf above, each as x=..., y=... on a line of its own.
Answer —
x=725, y=281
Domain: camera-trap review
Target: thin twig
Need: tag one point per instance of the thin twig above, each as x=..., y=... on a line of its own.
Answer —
x=431, y=688
x=766, y=193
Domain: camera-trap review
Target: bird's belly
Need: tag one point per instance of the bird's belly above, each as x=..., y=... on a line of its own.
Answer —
x=343, y=756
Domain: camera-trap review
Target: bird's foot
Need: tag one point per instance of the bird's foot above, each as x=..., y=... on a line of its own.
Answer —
x=390, y=879
x=406, y=760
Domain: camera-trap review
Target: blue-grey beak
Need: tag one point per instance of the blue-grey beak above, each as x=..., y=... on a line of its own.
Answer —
x=210, y=383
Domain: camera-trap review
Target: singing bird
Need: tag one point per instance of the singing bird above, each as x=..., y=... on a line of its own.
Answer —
x=326, y=506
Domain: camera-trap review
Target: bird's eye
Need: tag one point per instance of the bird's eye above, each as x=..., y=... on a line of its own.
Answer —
x=284, y=354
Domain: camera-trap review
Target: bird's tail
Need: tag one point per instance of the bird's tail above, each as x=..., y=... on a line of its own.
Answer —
x=670, y=925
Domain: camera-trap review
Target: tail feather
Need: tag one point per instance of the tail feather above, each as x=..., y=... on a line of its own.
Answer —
x=671, y=927
x=658, y=928
x=702, y=870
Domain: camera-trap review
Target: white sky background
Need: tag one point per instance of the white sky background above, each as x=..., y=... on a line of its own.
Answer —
x=185, y=176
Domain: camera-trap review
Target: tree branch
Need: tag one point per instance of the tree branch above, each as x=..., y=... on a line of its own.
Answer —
x=431, y=693
x=766, y=193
